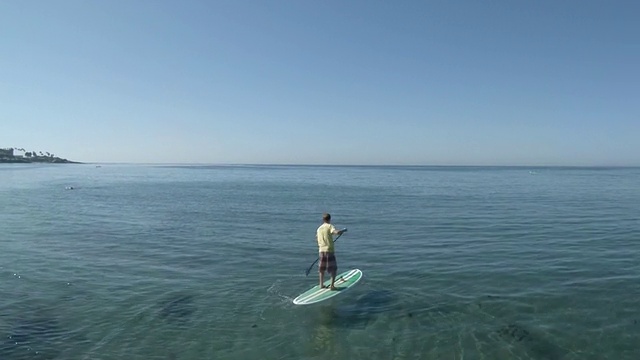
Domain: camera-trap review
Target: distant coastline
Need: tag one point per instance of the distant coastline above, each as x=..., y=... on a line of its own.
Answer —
x=7, y=155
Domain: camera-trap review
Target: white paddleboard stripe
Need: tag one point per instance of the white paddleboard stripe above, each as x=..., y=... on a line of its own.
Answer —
x=325, y=294
x=320, y=292
x=315, y=294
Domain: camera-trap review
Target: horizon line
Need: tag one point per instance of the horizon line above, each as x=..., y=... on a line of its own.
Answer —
x=350, y=165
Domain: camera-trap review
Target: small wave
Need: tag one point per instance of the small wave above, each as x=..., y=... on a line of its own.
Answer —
x=276, y=289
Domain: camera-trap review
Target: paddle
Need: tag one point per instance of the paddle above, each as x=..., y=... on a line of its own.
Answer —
x=310, y=267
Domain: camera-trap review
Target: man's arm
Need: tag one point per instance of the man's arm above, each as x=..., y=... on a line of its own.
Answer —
x=339, y=232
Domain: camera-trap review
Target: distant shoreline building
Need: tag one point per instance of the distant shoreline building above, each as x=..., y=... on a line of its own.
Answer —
x=20, y=155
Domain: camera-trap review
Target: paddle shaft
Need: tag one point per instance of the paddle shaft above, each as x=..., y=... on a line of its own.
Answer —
x=311, y=267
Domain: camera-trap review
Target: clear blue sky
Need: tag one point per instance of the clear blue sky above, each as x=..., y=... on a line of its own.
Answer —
x=323, y=82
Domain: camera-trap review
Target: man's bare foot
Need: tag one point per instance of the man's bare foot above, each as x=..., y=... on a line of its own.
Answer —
x=323, y=286
x=333, y=288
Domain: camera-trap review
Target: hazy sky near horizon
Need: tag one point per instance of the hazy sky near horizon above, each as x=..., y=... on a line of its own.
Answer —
x=323, y=82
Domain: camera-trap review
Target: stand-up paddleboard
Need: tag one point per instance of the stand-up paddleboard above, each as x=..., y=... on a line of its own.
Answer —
x=343, y=282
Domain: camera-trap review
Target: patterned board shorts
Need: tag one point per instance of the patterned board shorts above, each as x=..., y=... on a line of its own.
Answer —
x=328, y=262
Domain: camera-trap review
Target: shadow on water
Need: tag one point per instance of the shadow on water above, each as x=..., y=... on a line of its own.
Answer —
x=507, y=317
x=508, y=322
x=37, y=334
x=37, y=337
x=531, y=341
x=503, y=322
x=362, y=311
x=34, y=329
x=177, y=308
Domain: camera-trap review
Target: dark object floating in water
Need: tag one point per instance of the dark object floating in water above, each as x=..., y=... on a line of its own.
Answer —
x=514, y=332
x=177, y=308
x=254, y=326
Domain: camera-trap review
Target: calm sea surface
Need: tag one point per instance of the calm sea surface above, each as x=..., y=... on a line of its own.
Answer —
x=202, y=262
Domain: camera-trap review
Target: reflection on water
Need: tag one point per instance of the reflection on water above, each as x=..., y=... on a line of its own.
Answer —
x=323, y=338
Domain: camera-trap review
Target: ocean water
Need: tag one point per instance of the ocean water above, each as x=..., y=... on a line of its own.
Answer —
x=202, y=262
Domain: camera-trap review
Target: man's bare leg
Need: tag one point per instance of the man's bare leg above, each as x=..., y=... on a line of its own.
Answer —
x=333, y=280
x=321, y=279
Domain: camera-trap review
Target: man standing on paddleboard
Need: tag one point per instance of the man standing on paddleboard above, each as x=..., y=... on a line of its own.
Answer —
x=328, y=262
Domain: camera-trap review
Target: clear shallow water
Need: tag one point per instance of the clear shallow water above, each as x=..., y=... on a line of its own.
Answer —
x=162, y=262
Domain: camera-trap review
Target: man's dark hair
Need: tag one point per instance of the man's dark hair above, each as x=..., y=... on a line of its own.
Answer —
x=326, y=217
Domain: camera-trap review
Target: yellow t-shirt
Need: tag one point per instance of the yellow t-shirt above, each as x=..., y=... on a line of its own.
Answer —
x=324, y=234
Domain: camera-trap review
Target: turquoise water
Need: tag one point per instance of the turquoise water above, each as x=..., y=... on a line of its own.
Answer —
x=176, y=262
